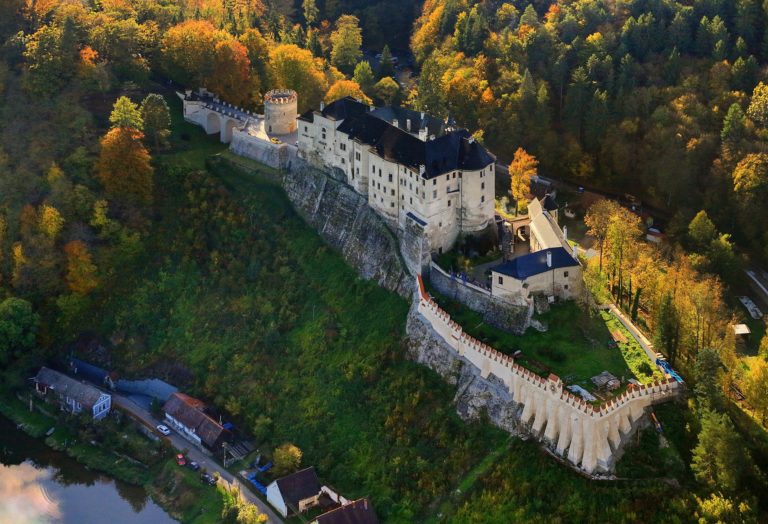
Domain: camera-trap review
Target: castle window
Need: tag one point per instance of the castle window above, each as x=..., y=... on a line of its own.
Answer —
x=460, y=174
x=391, y=204
x=449, y=203
x=378, y=186
x=423, y=182
x=373, y=169
x=565, y=275
x=434, y=181
x=447, y=177
x=393, y=192
x=440, y=224
x=342, y=161
x=501, y=280
x=306, y=129
x=565, y=287
x=454, y=174
x=402, y=197
x=411, y=200
x=357, y=156
x=390, y=177
x=379, y=172
x=482, y=198
x=490, y=168
x=434, y=194
x=482, y=185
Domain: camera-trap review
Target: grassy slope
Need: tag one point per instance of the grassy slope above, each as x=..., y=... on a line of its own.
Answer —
x=280, y=332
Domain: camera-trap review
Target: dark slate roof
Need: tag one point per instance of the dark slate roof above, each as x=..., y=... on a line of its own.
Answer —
x=63, y=385
x=536, y=263
x=357, y=512
x=298, y=486
x=308, y=116
x=452, y=151
x=434, y=126
x=189, y=411
x=344, y=108
x=548, y=203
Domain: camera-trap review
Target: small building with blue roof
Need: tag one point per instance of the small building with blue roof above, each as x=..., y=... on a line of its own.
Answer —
x=550, y=272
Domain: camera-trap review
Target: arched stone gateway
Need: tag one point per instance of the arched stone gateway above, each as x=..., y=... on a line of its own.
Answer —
x=226, y=130
x=212, y=123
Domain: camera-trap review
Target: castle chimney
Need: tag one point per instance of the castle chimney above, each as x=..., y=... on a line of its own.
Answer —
x=422, y=115
x=565, y=232
x=575, y=252
x=549, y=258
x=408, y=124
x=395, y=122
x=373, y=107
x=423, y=134
x=322, y=105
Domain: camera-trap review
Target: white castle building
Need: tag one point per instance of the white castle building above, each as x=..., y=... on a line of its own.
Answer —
x=411, y=167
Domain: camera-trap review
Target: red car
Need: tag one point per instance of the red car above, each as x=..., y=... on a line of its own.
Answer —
x=180, y=460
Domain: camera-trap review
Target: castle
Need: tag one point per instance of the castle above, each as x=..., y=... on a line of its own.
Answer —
x=412, y=168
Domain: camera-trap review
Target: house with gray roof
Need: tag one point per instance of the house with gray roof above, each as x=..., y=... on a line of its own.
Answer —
x=295, y=493
x=73, y=396
x=187, y=415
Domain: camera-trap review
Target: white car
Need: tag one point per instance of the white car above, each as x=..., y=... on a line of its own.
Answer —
x=163, y=429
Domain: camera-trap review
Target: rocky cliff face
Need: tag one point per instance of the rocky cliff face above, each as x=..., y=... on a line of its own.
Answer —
x=474, y=395
x=344, y=220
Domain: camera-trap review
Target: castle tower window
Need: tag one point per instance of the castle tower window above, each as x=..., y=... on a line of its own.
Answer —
x=501, y=280
x=434, y=181
x=482, y=185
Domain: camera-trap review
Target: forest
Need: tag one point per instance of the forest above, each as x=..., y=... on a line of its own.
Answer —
x=118, y=228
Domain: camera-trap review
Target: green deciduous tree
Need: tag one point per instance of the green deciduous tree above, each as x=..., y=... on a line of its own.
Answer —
x=287, y=459
x=18, y=328
x=364, y=76
x=126, y=114
x=702, y=230
x=346, y=43
x=386, y=90
x=157, y=120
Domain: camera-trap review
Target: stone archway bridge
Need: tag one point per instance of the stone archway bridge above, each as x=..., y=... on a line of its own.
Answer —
x=588, y=437
x=206, y=110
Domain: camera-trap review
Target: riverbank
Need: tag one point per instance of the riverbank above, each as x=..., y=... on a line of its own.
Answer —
x=114, y=449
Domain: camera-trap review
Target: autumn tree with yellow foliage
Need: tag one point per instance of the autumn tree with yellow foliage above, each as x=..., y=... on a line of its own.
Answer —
x=521, y=170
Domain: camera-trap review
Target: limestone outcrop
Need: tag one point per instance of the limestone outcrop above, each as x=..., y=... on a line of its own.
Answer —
x=346, y=222
x=588, y=437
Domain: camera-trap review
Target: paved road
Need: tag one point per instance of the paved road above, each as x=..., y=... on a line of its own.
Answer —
x=205, y=461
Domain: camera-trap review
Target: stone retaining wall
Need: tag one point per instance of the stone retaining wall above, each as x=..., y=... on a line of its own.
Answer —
x=587, y=437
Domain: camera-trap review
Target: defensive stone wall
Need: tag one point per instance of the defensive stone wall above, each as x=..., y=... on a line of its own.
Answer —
x=588, y=437
x=497, y=312
x=279, y=156
x=346, y=222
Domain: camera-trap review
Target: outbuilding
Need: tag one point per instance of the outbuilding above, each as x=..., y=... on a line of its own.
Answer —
x=295, y=493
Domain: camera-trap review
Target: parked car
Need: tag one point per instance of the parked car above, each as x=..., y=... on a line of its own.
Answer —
x=180, y=460
x=194, y=466
x=208, y=479
x=163, y=429
x=275, y=140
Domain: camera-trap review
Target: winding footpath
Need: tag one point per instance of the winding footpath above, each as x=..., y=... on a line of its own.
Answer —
x=205, y=461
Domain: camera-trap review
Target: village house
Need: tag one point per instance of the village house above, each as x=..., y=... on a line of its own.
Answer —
x=412, y=168
x=551, y=268
x=186, y=415
x=295, y=493
x=359, y=511
x=73, y=396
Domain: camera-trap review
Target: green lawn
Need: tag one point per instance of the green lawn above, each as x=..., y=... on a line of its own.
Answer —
x=575, y=347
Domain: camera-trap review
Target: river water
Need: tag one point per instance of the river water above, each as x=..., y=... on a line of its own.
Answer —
x=41, y=486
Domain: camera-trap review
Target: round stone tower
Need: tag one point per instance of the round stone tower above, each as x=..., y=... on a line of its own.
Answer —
x=280, y=111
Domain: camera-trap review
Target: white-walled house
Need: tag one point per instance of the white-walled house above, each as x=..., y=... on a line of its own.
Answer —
x=295, y=493
x=551, y=268
x=186, y=415
x=409, y=166
x=73, y=396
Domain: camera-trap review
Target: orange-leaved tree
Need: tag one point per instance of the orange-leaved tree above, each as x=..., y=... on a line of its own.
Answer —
x=230, y=76
x=342, y=88
x=81, y=271
x=124, y=166
x=521, y=170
